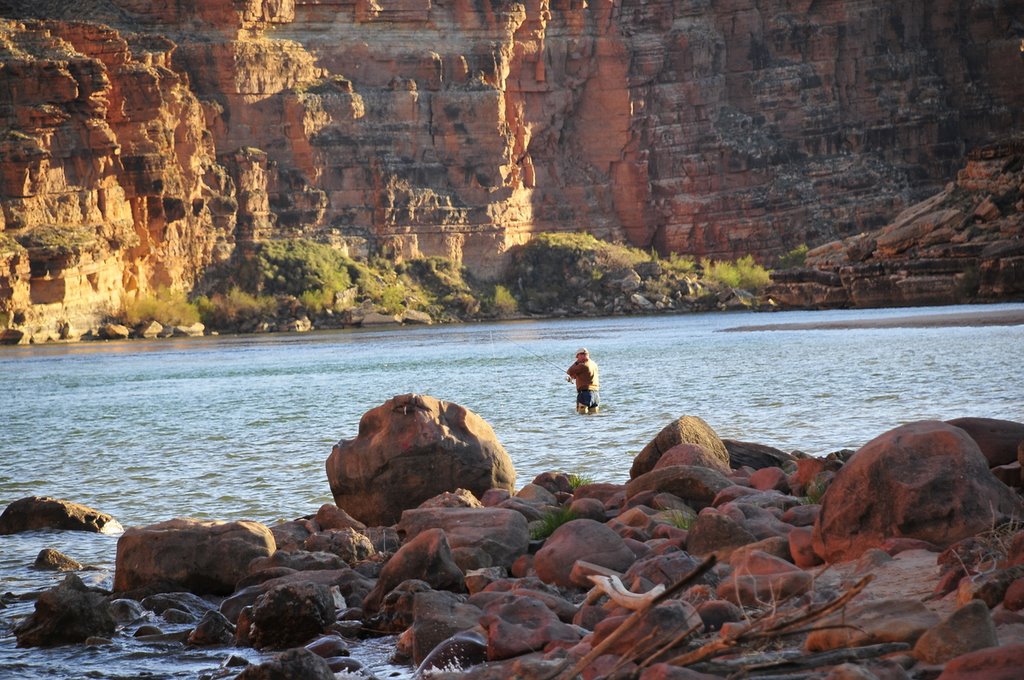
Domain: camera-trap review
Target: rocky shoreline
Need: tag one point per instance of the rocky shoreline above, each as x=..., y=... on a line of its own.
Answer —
x=717, y=558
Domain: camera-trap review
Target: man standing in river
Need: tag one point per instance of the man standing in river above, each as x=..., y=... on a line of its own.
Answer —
x=584, y=372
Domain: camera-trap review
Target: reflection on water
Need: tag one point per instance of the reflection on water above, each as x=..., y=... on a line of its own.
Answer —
x=240, y=427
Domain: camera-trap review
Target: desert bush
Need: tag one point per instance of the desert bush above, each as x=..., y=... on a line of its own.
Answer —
x=297, y=266
x=167, y=306
x=679, y=264
x=794, y=259
x=742, y=273
x=224, y=310
x=503, y=302
x=392, y=298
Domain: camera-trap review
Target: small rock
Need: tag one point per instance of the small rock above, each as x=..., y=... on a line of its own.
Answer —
x=53, y=560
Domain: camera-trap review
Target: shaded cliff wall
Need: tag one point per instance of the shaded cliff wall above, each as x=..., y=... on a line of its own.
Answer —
x=190, y=128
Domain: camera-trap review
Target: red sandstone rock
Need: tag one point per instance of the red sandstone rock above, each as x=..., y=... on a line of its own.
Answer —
x=755, y=456
x=696, y=485
x=519, y=624
x=691, y=454
x=716, y=533
x=801, y=547
x=684, y=430
x=670, y=615
x=997, y=439
x=770, y=478
x=412, y=448
x=291, y=614
x=968, y=629
x=925, y=480
x=68, y=613
x=293, y=663
x=872, y=622
x=1000, y=663
x=43, y=512
x=580, y=539
x=501, y=535
x=191, y=555
x=427, y=557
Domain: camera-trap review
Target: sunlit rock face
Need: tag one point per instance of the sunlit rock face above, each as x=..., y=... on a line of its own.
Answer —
x=164, y=135
x=107, y=178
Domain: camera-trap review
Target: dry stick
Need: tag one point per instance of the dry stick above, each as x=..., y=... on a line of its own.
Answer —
x=646, y=642
x=763, y=628
x=632, y=618
x=669, y=645
x=806, y=661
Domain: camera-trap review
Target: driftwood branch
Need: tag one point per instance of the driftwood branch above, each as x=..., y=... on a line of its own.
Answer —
x=620, y=595
x=628, y=623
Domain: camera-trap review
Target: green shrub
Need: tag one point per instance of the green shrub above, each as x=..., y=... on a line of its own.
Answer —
x=166, y=306
x=679, y=264
x=296, y=266
x=392, y=298
x=8, y=244
x=546, y=526
x=742, y=273
x=224, y=310
x=794, y=259
x=503, y=302
x=317, y=300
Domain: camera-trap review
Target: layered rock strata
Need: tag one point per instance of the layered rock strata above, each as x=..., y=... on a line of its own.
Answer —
x=964, y=244
x=146, y=141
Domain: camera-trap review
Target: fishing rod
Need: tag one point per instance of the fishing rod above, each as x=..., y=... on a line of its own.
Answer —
x=531, y=352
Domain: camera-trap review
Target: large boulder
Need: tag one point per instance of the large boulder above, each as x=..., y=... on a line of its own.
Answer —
x=291, y=614
x=580, y=539
x=427, y=557
x=926, y=480
x=684, y=430
x=997, y=439
x=43, y=512
x=501, y=534
x=201, y=557
x=696, y=485
x=69, y=613
x=517, y=624
x=412, y=448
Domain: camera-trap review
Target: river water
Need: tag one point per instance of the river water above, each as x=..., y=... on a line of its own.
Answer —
x=234, y=428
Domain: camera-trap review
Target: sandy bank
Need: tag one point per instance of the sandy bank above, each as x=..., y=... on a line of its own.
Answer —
x=1012, y=317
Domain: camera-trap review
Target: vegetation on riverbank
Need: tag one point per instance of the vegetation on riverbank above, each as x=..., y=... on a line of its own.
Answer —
x=299, y=285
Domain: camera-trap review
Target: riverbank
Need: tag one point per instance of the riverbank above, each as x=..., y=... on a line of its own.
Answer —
x=980, y=317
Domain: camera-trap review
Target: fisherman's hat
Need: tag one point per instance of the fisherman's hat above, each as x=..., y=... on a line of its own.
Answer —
x=583, y=350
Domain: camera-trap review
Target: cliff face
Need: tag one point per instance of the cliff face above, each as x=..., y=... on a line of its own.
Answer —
x=108, y=180
x=154, y=139
x=962, y=245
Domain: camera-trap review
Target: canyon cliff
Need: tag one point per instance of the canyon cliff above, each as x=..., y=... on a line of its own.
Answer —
x=145, y=142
